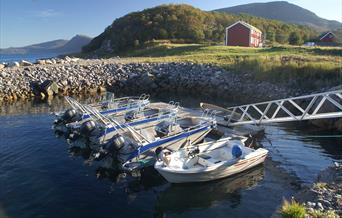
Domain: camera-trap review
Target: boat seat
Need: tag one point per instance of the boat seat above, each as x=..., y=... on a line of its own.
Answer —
x=206, y=160
x=190, y=162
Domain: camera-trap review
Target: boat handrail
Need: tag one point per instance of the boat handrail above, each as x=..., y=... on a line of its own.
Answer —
x=75, y=104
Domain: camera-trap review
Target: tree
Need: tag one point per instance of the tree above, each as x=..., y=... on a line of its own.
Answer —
x=295, y=38
x=281, y=37
x=270, y=35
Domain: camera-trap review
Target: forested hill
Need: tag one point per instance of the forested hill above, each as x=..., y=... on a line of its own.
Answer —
x=284, y=11
x=184, y=23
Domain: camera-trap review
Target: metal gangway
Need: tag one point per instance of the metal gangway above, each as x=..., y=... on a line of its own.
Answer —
x=308, y=107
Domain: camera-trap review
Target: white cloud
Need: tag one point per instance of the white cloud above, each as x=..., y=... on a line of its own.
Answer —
x=47, y=13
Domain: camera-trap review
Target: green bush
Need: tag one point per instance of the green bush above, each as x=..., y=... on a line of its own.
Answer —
x=292, y=210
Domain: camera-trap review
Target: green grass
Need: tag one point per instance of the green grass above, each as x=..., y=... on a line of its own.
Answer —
x=292, y=210
x=310, y=67
x=321, y=214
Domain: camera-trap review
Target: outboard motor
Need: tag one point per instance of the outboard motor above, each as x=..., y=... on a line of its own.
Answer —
x=194, y=152
x=118, y=142
x=87, y=127
x=69, y=115
x=130, y=115
x=236, y=151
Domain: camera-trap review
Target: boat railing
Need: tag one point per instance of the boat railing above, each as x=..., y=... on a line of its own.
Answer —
x=143, y=99
x=174, y=104
x=75, y=104
x=209, y=113
x=139, y=102
x=120, y=127
x=171, y=111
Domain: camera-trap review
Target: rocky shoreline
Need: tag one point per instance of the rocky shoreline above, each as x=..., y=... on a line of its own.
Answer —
x=323, y=198
x=326, y=193
x=73, y=76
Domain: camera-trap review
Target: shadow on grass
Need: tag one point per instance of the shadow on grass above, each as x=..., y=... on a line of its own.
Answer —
x=162, y=51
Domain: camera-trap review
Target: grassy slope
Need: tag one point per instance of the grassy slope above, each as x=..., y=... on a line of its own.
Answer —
x=312, y=67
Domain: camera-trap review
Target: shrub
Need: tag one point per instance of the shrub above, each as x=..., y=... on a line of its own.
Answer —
x=292, y=210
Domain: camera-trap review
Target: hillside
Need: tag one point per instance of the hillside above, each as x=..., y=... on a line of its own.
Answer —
x=286, y=12
x=59, y=46
x=182, y=23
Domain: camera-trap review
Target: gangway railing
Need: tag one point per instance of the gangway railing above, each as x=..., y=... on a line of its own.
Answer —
x=308, y=107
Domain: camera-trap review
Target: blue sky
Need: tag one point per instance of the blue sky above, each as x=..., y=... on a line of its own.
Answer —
x=24, y=22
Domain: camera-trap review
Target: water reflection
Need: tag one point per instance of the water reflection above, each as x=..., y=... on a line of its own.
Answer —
x=47, y=105
x=178, y=198
x=329, y=140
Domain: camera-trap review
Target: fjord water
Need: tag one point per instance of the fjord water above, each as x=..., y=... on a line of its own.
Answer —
x=40, y=178
x=7, y=58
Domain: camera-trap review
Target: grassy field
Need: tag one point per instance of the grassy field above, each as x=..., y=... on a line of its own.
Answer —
x=311, y=67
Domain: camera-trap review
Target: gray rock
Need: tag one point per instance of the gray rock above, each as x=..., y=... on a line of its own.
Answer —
x=25, y=63
x=311, y=204
x=48, y=62
x=319, y=206
x=41, y=62
x=13, y=64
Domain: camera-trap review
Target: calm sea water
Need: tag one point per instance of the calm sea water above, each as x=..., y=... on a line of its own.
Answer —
x=40, y=178
x=27, y=57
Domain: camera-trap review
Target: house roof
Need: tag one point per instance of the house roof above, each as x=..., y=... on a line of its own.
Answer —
x=245, y=24
x=323, y=35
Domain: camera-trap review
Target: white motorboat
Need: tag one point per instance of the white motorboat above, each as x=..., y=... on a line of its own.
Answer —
x=208, y=161
x=100, y=131
x=134, y=147
x=116, y=106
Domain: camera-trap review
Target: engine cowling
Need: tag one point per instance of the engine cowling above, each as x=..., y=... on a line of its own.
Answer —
x=118, y=142
x=87, y=127
x=69, y=114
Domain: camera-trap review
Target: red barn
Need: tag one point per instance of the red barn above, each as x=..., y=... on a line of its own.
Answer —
x=327, y=37
x=243, y=34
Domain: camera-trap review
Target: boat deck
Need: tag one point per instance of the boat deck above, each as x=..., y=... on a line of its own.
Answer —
x=243, y=130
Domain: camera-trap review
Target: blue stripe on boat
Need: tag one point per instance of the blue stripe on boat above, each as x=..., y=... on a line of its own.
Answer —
x=158, y=143
x=114, y=128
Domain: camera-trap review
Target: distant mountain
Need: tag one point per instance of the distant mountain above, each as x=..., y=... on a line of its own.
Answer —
x=57, y=47
x=286, y=12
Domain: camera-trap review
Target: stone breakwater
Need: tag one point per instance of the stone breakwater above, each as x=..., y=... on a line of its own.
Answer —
x=89, y=76
x=325, y=194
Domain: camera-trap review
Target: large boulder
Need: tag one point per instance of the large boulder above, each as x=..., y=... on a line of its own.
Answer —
x=41, y=62
x=25, y=63
x=49, y=87
x=48, y=62
x=13, y=64
x=2, y=66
